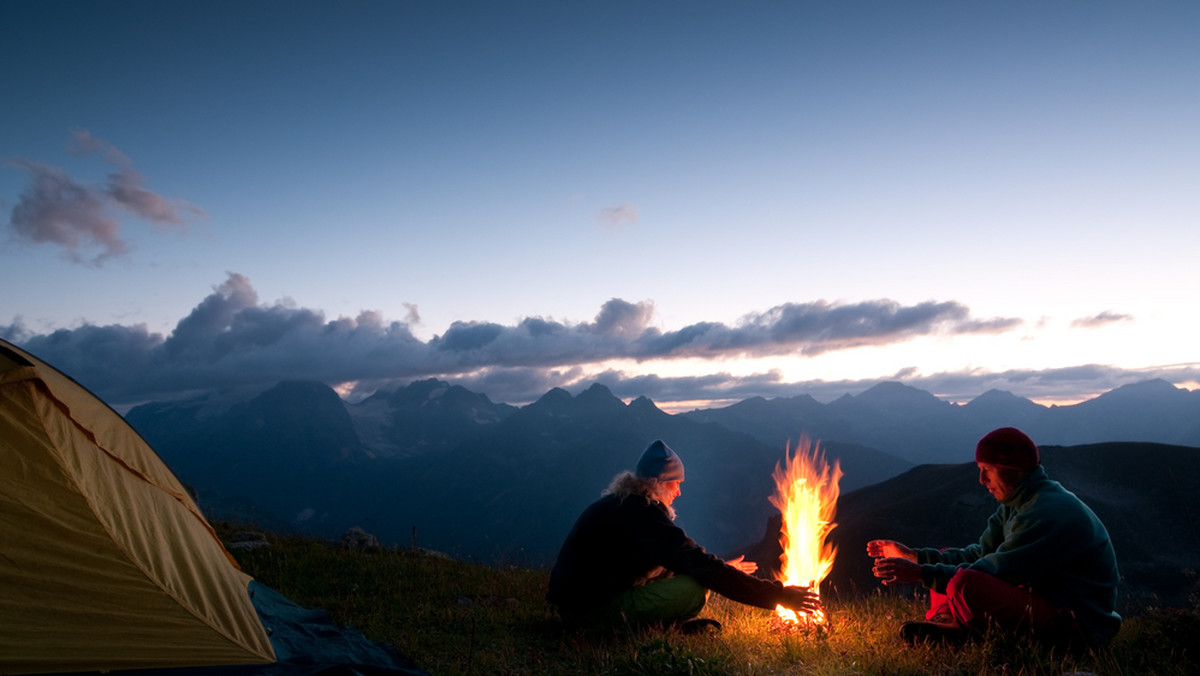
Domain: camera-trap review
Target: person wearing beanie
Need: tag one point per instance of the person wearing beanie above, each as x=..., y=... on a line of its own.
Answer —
x=1044, y=565
x=625, y=564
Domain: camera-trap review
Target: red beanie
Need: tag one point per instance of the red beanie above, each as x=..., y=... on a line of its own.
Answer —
x=1008, y=447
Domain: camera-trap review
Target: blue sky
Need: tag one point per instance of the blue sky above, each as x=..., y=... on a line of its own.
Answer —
x=695, y=202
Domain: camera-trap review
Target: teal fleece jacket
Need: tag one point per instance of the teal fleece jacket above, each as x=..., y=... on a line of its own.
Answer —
x=1044, y=538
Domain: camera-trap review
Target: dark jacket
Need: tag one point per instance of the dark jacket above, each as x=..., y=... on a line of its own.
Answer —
x=1045, y=538
x=618, y=543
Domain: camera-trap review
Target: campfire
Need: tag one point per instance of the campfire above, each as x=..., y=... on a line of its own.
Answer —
x=806, y=495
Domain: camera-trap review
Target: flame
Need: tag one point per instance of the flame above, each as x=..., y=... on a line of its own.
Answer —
x=806, y=495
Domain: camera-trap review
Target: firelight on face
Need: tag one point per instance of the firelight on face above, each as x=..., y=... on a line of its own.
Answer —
x=999, y=481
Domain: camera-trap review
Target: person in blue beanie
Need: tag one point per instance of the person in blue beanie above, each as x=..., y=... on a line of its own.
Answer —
x=1044, y=565
x=625, y=564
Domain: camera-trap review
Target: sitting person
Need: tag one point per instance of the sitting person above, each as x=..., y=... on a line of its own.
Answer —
x=1044, y=564
x=626, y=564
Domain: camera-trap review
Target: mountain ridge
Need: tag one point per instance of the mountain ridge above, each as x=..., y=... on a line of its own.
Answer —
x=449, y=469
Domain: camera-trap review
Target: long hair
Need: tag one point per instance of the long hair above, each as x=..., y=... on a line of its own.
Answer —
x=627, y=483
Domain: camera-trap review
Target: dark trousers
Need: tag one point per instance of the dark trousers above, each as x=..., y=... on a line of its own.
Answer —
x=664, y=601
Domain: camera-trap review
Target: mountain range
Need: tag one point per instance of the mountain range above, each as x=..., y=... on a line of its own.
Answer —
x=435, y=465
x=915, y=425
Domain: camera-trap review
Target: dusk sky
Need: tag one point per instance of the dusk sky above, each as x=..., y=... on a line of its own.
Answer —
x=697, y=202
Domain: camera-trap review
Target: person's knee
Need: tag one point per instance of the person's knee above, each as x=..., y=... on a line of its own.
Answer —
x=688, y=585
x=667, y=600
x=962, y=592
x=692, y=594
x=966, y=584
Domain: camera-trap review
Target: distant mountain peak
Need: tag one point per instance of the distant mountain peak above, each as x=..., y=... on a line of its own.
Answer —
x=1152, y=387
x=996, y=394
x=900, y=399
x=893, y=390
x=553, y=399
x=644, y=404
x=999, y=398
x=596, y=392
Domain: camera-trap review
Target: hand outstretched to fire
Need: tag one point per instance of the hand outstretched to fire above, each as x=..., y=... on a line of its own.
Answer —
x=801, y=599
x=895, y=563
x=747, y=567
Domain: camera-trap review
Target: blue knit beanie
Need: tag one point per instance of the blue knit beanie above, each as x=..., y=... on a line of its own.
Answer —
x=658, y=461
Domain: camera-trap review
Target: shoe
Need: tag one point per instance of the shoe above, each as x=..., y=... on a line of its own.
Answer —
x=948, y=633
x=700, y=625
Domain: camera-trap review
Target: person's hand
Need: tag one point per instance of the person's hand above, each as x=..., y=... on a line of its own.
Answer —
x=800, y=599
x=896, y=571
x=890, y=549
x=747, y=567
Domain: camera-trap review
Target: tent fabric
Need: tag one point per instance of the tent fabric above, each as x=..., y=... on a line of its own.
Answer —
x=106, y=563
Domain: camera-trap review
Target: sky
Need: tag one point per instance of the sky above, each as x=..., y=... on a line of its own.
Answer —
x=696, y=202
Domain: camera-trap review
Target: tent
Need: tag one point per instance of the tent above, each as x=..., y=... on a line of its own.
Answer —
x=106, y=563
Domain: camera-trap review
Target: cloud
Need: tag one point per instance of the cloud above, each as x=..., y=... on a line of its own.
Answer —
x=622, y=319
x=1102, y=319
x=814, y=328
x=58, y=210
x=54, y=209
x=231, y=339
x=618, y=217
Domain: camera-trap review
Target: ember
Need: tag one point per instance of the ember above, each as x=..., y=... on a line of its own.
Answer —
x=806, y=495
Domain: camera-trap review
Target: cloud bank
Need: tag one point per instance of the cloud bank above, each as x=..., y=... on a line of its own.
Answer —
x=56, y=209
x=232, y=340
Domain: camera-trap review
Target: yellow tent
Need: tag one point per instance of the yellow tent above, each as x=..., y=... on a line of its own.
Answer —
x=105, y=561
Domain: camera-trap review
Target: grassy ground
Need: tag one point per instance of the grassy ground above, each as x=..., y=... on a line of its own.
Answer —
x=455, y=618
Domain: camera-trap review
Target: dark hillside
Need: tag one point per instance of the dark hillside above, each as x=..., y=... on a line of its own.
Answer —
x=512, y=494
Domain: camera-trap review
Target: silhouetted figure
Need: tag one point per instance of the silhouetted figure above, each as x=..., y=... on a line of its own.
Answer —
x=1044, y=565
x=626, y=564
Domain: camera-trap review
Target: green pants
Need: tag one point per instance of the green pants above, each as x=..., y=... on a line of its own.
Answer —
x=664, y=601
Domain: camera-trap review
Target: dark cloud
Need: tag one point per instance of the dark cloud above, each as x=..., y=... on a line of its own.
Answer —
x=233, y=340
x=213, y=316
x=817, y=327
x=623, y=319
x=1102, y=319
x=58, y=210
x=475, y=336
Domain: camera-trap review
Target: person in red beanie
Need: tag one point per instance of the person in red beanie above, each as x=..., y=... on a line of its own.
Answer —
x=625, y=564
x=1043, y=566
